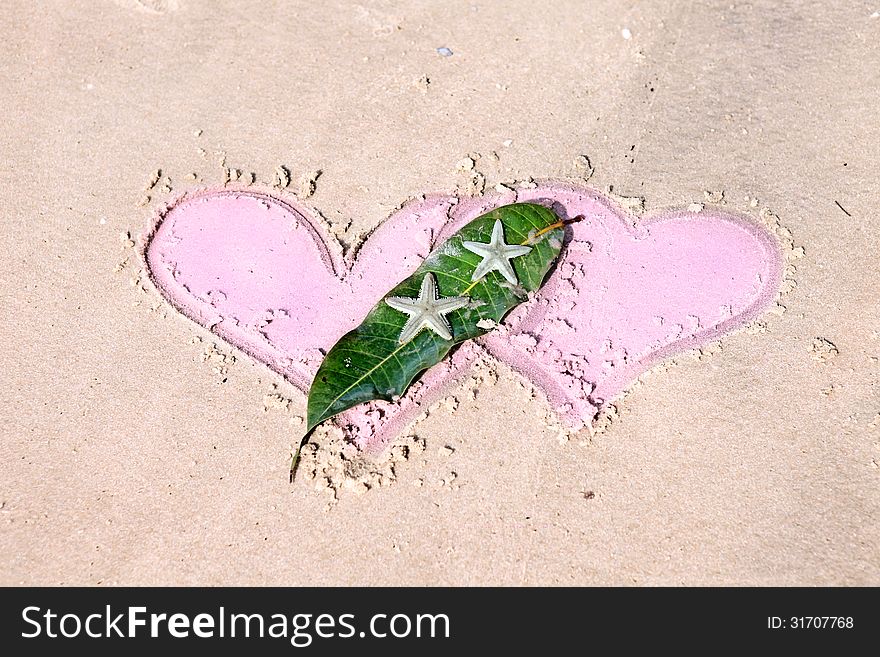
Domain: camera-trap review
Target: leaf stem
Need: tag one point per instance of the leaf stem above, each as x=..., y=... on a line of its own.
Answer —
x=547, y=229
x=294, y=462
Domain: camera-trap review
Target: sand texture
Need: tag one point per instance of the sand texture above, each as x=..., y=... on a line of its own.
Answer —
x=140, y=447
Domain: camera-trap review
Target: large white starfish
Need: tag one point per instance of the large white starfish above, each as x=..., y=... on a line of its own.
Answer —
x=426, y=311
x=496, y=255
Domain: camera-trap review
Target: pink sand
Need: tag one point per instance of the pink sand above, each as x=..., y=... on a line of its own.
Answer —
x=261, y=273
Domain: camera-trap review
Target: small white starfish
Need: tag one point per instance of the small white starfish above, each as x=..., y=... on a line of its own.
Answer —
x=426, y=311
x=496, y=255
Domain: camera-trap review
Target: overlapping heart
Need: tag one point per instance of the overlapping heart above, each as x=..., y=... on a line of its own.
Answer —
x=261, y=272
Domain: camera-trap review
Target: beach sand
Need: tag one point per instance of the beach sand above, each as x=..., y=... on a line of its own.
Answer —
x=138, y=448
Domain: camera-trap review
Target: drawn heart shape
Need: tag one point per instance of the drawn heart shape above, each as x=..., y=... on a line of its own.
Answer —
x=260, y=272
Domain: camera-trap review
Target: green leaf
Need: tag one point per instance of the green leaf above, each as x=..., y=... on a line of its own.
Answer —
x=371, y=362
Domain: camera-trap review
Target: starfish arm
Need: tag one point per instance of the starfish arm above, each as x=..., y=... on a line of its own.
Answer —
x=514, y=251
x=429, y=288
x=506, y=269
x=479, y=248
x=402, y=304
x=497, y=233
x=439, y=325
x=482, y=269
x=448, y=304
x=487, y=265
x=413, y=325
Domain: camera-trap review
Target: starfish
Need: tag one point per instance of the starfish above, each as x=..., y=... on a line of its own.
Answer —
x=426, y=311
x=496, y=255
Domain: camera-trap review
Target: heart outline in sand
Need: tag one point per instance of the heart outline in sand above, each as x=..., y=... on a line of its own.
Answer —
x=627, y=292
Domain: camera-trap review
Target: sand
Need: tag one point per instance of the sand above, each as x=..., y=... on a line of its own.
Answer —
x=140, y=448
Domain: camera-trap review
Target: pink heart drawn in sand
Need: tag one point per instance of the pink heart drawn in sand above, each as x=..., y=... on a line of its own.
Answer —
x=260, y=272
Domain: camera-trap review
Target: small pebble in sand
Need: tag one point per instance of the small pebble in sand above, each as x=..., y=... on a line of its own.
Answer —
x=823, y=350
x=446, y=450
x=154, y=179
x=695, y=207
x=275, y=402
x=583, y=162
x=626, y=33
x=507, y=142
x=443, y=51
x=464, y=164
x=308, y=183
x=282, y=177
x=475, y=185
